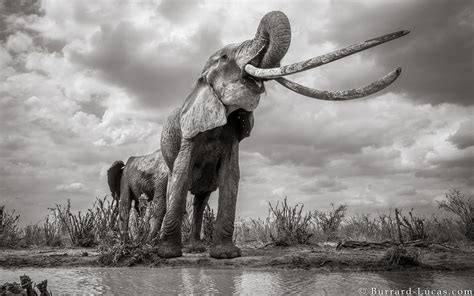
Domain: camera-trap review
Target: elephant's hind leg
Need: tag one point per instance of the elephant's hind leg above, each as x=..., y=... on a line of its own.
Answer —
x=125, y=205
x=199, y=205
x=158, y=206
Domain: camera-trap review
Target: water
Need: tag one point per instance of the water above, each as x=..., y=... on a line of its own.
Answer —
x=152, y=281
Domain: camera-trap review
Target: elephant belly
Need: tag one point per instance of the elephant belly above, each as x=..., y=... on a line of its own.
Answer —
x=204, y=177
x=205, y=169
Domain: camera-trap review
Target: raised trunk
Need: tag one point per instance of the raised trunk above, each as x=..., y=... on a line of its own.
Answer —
x=271, y=42
x=274, y=32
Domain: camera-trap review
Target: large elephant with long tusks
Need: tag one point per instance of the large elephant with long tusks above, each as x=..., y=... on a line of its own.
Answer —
x=200, y=140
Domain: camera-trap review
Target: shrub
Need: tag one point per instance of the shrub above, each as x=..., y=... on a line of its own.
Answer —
x=462, y=206
x=79, y=227
x=253, y=230
x=444, y=230
x=10, y=233
x=52, y=232
x=331, y=221
x=291, y=226
x=208, y=220
x=106, y=227
x=33, y=236
x=400, y=256
x=414, y=226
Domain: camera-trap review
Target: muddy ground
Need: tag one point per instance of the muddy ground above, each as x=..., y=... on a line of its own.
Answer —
x=323, y=257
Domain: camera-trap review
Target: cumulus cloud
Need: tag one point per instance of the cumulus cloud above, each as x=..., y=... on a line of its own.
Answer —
x=464, y=136
x=83, y=84
x=70, y=188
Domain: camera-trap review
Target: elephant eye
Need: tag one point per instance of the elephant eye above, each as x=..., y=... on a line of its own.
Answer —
x=224, y=57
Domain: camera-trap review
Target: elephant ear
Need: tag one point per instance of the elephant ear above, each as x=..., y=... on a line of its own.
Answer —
x=201, y=111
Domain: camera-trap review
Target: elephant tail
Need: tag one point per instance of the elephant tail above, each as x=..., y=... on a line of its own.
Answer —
x=114, y=175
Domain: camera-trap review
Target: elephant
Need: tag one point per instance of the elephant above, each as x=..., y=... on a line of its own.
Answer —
x=147, y=175
x=200, y=139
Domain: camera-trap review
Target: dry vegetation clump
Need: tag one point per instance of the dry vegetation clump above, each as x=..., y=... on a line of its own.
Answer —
x=10, y=232
x=285, y=225
x=105, y=212
x=208, y=220
x=79, y=227
x=329, y=222
x=127, y=254
x=251, y=231
x=367, y=228
x=291, y=225
x=461, y=206
x=401, y=256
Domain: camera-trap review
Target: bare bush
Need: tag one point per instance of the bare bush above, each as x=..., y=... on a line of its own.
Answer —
x=79, y=227
x=33, y=236
x=291, y=226
x=444, y=230
x=253, y=231
x=140, y=221
x=400, y=256
x=52, y=232
x=10, y=233
x=208, y=220
x=329, y=222
x=462, y=206
x=413, y=225
x=106, y=227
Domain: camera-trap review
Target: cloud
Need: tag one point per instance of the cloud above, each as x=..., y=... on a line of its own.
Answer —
x=463, y=138
x=83, y=84
x=70, y=188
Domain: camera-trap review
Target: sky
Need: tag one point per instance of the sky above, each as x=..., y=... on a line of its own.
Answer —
x=84, y=83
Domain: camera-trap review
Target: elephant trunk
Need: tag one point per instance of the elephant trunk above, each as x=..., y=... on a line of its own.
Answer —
x=274, y=33
x=270, y=44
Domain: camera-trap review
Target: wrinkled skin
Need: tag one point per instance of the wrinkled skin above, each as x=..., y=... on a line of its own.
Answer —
x=200, y=140
x=147, y=175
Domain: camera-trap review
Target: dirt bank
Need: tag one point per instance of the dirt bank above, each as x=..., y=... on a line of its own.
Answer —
x=322, y=257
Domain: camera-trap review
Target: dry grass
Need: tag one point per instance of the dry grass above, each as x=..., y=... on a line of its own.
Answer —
x=285, y=225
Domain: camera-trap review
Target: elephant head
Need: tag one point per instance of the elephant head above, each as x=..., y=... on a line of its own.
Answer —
x=233, y=77
x=224, y=86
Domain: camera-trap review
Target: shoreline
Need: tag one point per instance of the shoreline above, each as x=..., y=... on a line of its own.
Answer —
x=314, y=257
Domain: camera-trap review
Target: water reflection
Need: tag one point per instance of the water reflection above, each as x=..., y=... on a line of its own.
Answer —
x=140, y=280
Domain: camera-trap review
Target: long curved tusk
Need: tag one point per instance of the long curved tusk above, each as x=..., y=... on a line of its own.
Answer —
x=321, y=60
x=342, y=95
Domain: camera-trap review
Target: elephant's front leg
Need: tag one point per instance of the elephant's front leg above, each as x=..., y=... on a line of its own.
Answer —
x=170, y=245
x=229, y=175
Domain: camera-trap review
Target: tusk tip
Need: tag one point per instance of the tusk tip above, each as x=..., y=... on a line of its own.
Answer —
x=404, y=32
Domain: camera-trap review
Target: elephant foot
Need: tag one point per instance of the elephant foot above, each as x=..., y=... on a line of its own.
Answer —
x=169, y=250
x=195, y=247
x=225, y=251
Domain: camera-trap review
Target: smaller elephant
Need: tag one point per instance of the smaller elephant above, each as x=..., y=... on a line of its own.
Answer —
x=147, y=174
